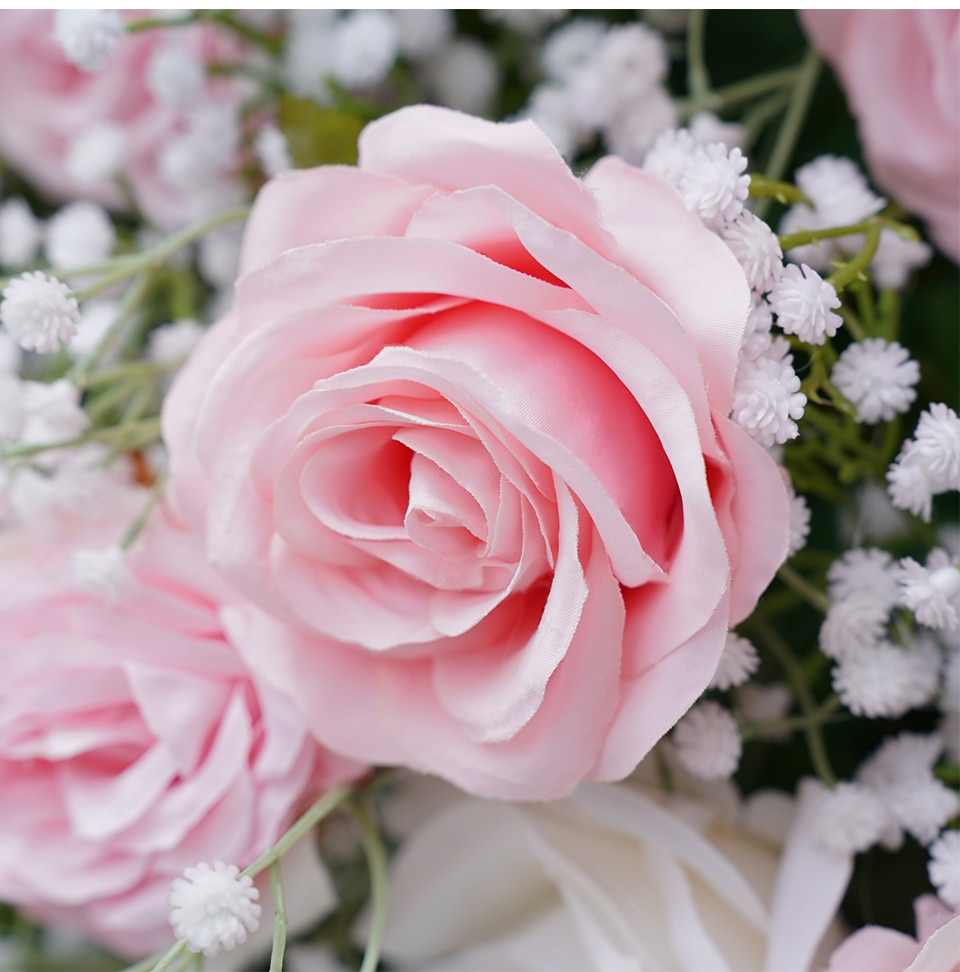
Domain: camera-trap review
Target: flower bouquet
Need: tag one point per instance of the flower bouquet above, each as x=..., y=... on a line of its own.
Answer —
x=478, y=490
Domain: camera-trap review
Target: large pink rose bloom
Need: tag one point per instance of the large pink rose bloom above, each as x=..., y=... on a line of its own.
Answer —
x=132, y=741
x=900, y=70
x=464, y=440
x=46, y=104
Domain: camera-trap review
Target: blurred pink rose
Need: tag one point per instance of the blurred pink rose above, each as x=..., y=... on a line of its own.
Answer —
x=47, y=105
x=874, y=949
x=464, y=437
x=900, y=70
x=132, y=740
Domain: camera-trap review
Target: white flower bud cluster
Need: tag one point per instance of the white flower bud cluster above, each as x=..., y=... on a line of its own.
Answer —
x=932, y=592
x=39, y=312
x=88, y=38
x=707, y=741
x=944, y=867
x=928, y=464
x=877, y=377
x=212, y=908
x=900, y=773
x=737, y=663
x=838, y=195
x=874, y=676
x=603, y=80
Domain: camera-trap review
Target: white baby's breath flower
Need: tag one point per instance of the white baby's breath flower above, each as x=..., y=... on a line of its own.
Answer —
x=713, y=184
x=707, y=741
x=877, y=376
x=173, y=342
x=756, y=248
x=900, y=773
x=366, y=44
x=757, y=337
x=40, y=313
x=570, y=46
x=104, y=573
x=273, y=152
x=864, y=570
x=929, y=463
x=820, y=256
x=175, y=76
x=422, y=33
x=886, y=681
x=838, y=190
x=765, y=703
x=849, y=818
x=212, y=908
x=896, y=259
x=88, y=38
x=96, y=155
x=670, y=155
x=944, y=867
x=95, y=319
x=853, y=625
x=632, y=133
x=81, y=233
x=737, y=663
x=464, y=75
x=767, y=401
x=804, y=304
x=20, y=233
x=527, y=22
x=932, y=592
x=799, y=523
x=706, y=128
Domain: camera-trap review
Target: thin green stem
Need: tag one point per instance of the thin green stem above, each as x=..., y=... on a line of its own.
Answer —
x=226, y=18
x=128, y=370
x=757, y=117
x=135, y=528
x=815, y=743
x=763, y=188
x=825, y=714
x=698, y=79
x=139, y=433
x=734, y=94
x=131, y=300
x=377, y=863
x=150, y=23
x=279, y=918
x=322, y=808
x=129, y=264
x=793, y=121
x=171, y=956
x=850, y=271
x=790, y=240
x=800, y=585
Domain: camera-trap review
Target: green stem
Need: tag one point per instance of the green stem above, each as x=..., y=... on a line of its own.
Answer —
x=225, y=18
x=279, y=918
x=792, y=122
x=800, y=585
x=815, y=742
x=377, y=863
x=322, y=808
x=126, y=266
x=698, y=79
x=171, y=956
x=135, y=528
x=851, y=271
x=140, y=433
x=733, y=94
x=150, y=23
x=763, y=188
x=790, y=240
x=128, y=370
x=823, y=715
x=757, y=117
x=131, y=300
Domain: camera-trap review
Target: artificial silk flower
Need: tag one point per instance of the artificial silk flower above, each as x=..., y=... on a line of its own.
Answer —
x=484, y=492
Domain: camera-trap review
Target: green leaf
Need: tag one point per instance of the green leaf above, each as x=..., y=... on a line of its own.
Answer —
x=318, y=135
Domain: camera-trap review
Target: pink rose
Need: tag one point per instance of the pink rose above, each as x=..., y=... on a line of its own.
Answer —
x=464, y=439
x=900, y=70
x=132, y=741
x=874, y=949
x=47, y=104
